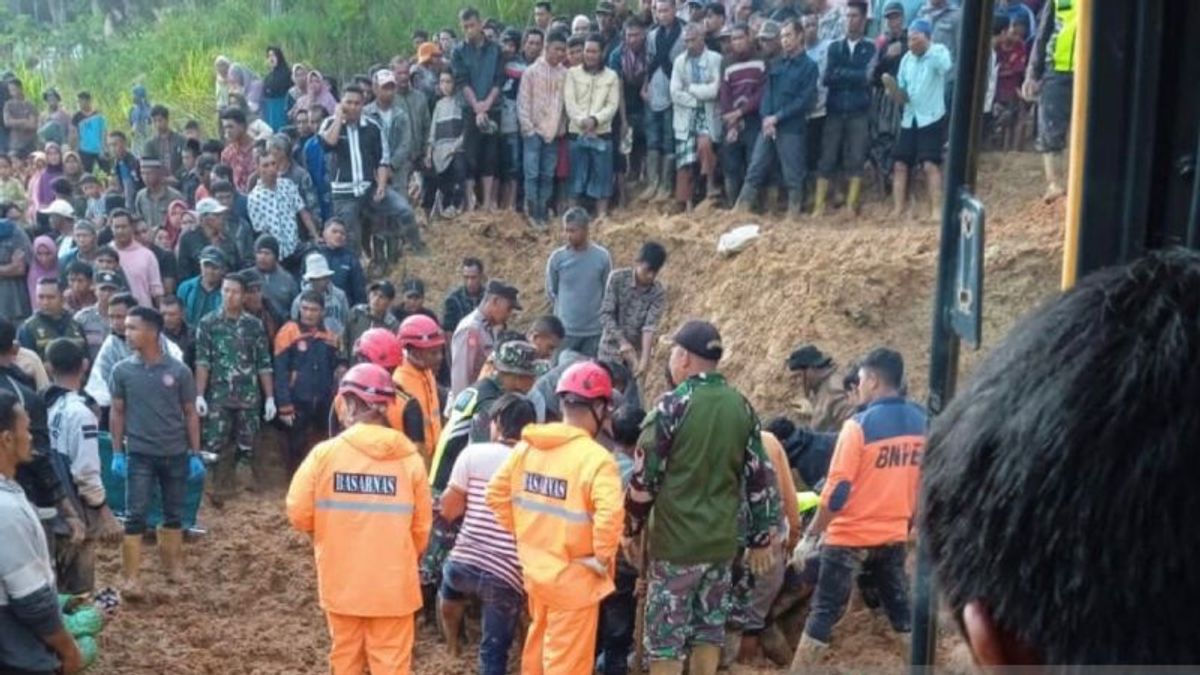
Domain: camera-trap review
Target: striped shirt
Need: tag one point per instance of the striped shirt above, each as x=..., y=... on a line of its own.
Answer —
x=481, y=542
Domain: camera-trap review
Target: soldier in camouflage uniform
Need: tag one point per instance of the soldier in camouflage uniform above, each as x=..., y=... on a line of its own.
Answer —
x=233, y=360
x=699, y=459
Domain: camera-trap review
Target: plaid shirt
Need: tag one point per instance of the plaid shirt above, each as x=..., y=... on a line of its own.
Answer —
x=628, y=311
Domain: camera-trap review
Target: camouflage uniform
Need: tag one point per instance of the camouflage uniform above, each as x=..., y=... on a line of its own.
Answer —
x=689, y=591
x=236, y=353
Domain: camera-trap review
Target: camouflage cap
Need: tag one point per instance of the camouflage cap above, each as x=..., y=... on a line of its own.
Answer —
x=516, y=357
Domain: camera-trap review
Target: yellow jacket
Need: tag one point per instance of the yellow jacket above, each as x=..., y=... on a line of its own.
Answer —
x=595, y=95
x=364, y=497
x=560, y=494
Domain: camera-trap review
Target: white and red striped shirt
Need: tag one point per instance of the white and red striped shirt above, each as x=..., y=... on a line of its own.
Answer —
x=481, y=542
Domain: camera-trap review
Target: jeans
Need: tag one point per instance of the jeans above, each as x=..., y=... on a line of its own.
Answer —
x=839, y=566
x=350, y=210
x=591, y=167
x=660, y=131
x=789, y=148
x=540, y=158
x=502, y=606
x=845, y=137
x=510, y=161
x=171, y=474
x=736, y=155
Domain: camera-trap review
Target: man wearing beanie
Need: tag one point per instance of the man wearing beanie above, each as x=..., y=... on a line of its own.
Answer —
x=698, y=463
x=279, y=287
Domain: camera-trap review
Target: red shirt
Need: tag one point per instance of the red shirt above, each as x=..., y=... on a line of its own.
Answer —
x=240, y=158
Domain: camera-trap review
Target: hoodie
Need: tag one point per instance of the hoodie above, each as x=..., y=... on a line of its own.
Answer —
x=364, y=497
x=560, y=494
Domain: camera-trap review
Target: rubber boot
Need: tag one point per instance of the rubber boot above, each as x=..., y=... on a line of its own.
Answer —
x=653, y=167
x=666, y=667
x=775, y=646
x=808, y=652
x=771, y=198
x=170, y=551
x=666, y=179
x=795, y=205
x=731, y=192
x=705, y=659
x=819, y=200
x=131, y=563
x=853, y=194
x=746, y=199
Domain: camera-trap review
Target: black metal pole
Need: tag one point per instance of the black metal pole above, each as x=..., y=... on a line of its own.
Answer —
x=974, y=51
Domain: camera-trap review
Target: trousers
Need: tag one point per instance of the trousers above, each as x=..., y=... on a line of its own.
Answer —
x=560, y=641
x=384, y=643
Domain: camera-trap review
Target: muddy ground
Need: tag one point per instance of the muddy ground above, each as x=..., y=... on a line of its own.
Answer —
x=250, y=603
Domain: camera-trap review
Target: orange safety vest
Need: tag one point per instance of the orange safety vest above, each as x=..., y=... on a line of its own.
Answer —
x=364, y=496
x=559, y=492
x=422, y=385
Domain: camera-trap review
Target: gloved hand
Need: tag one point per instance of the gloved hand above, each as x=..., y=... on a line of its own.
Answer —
x=760, y=560
x=195, y=467
x=201, y=406
x=807, y=549
x=120, y=465
x=269, y=409
x=594, y=564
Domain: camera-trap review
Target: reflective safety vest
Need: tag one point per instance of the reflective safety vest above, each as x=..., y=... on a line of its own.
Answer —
x=454, y=438
x=560, y=494
x=1062, y=47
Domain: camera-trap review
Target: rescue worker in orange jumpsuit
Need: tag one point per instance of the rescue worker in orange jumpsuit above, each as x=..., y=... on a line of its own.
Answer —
x=380, y=347
x=363, y=497
x=423, y=345
x=560, y=495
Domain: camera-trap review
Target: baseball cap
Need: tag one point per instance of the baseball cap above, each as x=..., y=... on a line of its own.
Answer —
x=605, y=7
x=384, y=77
x=383, y=286
x=212, y=254
x=893, y=7
x=414, y=288
x=110, y=279
x=251, y=278
x=497, y=287
x=700, y=338
x=808, y=356
x=60, y=207
x=427, y=51
x=769, y=30
x=516, y=357
x=921, y=26
x=209, y=206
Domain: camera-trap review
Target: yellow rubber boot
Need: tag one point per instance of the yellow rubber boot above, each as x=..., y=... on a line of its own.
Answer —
x=819, y=199
x=853, y=194
x=131, y=563
x=170, y=550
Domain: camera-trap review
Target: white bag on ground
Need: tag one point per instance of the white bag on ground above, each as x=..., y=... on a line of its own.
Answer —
x=737, y=239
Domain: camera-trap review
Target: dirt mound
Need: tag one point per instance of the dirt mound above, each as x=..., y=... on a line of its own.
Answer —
x=250, y=604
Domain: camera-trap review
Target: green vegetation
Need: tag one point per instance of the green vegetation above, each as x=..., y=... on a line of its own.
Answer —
x=172, y=54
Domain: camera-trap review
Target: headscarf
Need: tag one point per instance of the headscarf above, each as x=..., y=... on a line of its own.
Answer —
x=322, y=97
x=222, y=88
x=249, y=83
x=44, y=179
x=279, y=80
x=174, y=230
x=36, y=271
x=299, y=82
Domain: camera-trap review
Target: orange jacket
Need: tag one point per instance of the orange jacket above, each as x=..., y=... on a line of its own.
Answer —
x=364, y=496
x=560, y=494
x=422, y=385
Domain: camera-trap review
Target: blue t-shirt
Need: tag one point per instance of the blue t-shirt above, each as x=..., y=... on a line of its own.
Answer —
x=91, y=132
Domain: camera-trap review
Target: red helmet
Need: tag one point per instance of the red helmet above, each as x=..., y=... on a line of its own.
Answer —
x=380, y=347
x=421, y=332
x=369, y=382
x=586, y=381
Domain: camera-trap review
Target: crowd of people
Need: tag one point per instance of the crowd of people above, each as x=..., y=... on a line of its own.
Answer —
x=173, y=299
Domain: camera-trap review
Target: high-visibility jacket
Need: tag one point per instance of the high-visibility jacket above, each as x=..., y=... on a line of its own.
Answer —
x=422, y=385
x=364, y=497
x=1066, y=20
x=560, y=494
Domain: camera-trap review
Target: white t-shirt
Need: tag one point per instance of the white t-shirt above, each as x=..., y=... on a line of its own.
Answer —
x=481, y=542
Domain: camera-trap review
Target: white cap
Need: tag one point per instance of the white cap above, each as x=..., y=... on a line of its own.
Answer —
x=384, y=77
x=60, y=207
x=316, y=267
x=209, y=206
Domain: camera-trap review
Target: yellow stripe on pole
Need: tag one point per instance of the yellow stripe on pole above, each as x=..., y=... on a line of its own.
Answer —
x=1078, y=144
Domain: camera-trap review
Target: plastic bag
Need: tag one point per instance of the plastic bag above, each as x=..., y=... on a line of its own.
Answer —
x=89, y=649
x=85, y=621
x=737, y=239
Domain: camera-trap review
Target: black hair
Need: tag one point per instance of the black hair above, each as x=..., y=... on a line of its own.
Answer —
x=235, y=278
x=618, y=372
x=220, y=186
x=65, y=356
x=62, y=187
x=468, y=13
x=542, y=4
x=354, y=89
x=8, y=410
x=473, y=262
x=212, y=147
x=223, y=171
x=1056, y=487
x=8, y=335
x=313, y=297
x=576, y=41
x=120, y=213
x=422, y=35
x=80, y=268
x=533, y=30
x=450, y=31
x=169, y=299
x=653, y=254
x=148, y=315
x=160, y=110
x=859, y=5
x=627, y=425
x=1000, y=23
x=118, y=134
x=850, y=379
x=512, y=412
x=107, y=251
x=549, y=324
x=556, y=36
x=50, y=281
x=191, y=124
x=635, y=22
x=596, y=38
x=716, y=9
x=123, y=298
x=193, y=146
x=886, y=363
x=780, y=427
x=235, y=115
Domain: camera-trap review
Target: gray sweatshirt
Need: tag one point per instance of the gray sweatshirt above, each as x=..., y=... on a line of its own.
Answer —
x=575, y=283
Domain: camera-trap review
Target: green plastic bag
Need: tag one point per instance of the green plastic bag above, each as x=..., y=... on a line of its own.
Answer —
x=89, y=649
x=85, y=621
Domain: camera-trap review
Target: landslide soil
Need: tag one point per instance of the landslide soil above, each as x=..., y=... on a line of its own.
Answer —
x=249, y=605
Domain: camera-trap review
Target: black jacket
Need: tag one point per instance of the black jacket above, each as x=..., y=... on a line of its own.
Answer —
x=39, y=478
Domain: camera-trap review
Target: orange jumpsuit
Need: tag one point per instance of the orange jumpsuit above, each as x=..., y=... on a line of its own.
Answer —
x=560, y=494
x=364, y=497
x=422, y=385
